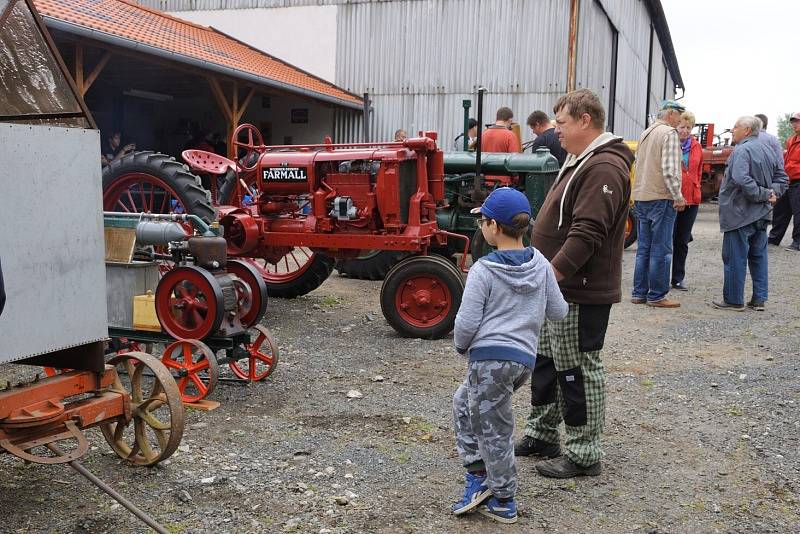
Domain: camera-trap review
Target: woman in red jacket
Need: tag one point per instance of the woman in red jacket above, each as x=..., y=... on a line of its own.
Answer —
x=690, y=187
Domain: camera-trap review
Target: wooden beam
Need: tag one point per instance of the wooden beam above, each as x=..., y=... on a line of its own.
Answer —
x=79, y=68
x=235, y=107
x=246, y=102
x=219, y=96
x=96, y=71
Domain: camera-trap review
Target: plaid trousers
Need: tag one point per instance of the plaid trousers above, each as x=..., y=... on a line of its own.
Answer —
x=568, y=383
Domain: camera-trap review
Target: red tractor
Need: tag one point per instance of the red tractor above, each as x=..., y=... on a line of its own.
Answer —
x=715, y=158
x=291, y=211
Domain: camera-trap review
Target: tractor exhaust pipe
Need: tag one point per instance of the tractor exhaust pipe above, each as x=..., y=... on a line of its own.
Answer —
x=477, y=195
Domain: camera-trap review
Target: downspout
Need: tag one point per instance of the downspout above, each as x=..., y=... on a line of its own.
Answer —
x=574, y=9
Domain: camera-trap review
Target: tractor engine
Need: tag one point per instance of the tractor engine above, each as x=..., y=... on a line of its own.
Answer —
x=340, y=200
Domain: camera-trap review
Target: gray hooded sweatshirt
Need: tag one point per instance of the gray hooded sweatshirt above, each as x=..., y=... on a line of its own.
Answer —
x=506, y=299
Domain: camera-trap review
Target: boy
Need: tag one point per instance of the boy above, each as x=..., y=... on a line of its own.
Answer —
x=507, y=297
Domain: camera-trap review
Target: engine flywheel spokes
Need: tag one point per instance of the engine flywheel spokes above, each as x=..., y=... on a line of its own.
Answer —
x=194, y=367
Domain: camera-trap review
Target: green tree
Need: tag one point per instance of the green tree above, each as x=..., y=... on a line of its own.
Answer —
x=784, y=129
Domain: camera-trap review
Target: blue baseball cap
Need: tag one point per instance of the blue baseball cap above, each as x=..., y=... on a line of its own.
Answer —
x=503, y=204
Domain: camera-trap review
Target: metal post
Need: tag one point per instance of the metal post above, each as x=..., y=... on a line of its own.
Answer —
x=467, y=104
x=366, y=118
x=572, y=47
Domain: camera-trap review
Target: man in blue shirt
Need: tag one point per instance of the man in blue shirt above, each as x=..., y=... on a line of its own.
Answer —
x=753, y=182
x=546, y=137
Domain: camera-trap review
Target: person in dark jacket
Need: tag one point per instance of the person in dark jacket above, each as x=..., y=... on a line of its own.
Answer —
x=580, y=229
x=546, y=137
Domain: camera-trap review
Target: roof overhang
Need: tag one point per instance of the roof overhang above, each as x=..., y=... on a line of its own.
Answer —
x=143, y=48
x=659, y=19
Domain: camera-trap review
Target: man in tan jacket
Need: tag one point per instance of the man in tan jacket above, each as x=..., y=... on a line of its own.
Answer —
x=657, y=199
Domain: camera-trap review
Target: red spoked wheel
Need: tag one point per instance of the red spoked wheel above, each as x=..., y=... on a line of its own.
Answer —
x=421, y=295
x=194, y=367
x=189, y=303
x=262, y=356
x=251, y=292
x=299, y=272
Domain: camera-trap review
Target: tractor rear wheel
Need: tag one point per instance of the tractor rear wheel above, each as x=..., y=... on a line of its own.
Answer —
x=630, y=229
x=421, y=296
x=299, y=272
x=154, y=183
x=371, y=266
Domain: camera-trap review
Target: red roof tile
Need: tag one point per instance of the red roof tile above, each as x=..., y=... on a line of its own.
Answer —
x=153, y=28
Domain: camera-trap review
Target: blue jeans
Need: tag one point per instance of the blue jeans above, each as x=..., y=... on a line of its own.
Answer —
x=740, y=247
x=653, y=249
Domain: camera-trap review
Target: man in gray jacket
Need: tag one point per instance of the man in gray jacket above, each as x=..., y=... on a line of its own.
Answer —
x=753, y=181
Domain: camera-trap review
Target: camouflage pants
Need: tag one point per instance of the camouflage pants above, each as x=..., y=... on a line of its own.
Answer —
x=568, y=383
x=484, y=421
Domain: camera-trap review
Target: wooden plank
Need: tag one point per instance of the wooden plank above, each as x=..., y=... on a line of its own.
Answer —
x=96, y=71
x=219, y=96
x=246, y=102
x=79, y=68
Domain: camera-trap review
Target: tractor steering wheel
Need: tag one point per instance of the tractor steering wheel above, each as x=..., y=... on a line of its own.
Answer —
x=254, y=145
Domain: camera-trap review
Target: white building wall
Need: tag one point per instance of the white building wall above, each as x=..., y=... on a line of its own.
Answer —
x=303, y=36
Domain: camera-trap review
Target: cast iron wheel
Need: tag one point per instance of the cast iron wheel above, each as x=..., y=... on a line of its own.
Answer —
x=421, y=296
x=299, y=272
x=189, y=303
x=154, y=183
x=630, y=229
x=262, y=356
x=371, y=266
x=156, y=410
x=194, y=367
x=251, y=292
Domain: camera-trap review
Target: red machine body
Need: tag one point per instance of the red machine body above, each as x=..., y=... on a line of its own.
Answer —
x=715, y=159
x=340, y=200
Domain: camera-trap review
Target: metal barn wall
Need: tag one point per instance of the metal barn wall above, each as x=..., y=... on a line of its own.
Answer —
x=593, y=65
x=418, y=74
x=633, y=23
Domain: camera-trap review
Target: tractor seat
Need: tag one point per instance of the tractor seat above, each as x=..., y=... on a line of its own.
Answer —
x=207, y=162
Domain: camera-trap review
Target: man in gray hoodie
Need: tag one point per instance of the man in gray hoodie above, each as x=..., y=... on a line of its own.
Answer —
x=506, y=299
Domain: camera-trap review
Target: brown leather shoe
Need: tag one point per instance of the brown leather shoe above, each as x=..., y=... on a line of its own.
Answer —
x=638, y=301
x=665, y=303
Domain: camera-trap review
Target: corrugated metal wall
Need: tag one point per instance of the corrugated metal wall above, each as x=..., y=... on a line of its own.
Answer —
x=418, y=74
x=418, y=60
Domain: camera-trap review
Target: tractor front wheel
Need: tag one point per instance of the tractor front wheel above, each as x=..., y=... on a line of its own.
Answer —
x=421, y=296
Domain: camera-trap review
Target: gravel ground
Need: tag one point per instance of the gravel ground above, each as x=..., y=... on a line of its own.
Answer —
x=701, y=429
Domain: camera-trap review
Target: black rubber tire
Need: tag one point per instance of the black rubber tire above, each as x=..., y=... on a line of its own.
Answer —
x=630, y=239
x=373, y=266
x=226, y=188
x=478, y=247
x=421, y=265
x=313, y=277
x=187, y=186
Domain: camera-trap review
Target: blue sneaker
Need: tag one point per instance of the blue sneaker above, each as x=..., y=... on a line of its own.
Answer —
x=475, y=492
x=503, y=512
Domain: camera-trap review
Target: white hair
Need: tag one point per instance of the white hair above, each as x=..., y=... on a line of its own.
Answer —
x=750, y=122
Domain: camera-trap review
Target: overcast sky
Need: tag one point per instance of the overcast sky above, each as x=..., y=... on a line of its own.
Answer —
x=737, y=57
